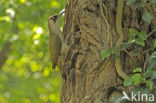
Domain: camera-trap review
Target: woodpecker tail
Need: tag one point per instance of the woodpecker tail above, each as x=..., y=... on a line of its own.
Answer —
x=53, y=66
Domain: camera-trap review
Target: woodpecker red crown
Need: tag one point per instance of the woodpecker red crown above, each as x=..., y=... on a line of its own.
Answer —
x=54, y=18
x=50, y=18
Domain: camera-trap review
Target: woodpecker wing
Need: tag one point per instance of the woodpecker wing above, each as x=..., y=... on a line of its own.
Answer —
x=55, y=48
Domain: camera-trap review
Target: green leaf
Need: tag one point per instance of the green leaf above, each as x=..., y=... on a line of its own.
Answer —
x=153, y=1
x=154, y=43
x=105, y=54
x=137, y=79
x=153, y=76
x=130, y=2
x=149, y=84
x=143, y=35
x=113, y=50
x=152, y=60
x=151, y=73
x=133, y=32
x=128, y=81
x=145, y=1
x=131, y=40
x=124, y=45
x=137, y=70
x=147, y=17
x=140, y=41
x=137, y=4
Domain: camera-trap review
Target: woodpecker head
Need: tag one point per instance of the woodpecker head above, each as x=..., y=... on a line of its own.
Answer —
x=54, y=19
x=53, y=22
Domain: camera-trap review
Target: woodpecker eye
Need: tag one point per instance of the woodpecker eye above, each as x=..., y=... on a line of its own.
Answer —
x=54, y=18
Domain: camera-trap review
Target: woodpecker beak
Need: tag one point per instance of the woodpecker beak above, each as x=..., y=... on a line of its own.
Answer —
x=61, y=13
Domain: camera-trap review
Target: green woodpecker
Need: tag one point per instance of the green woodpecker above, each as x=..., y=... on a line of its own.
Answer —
x=56, y=38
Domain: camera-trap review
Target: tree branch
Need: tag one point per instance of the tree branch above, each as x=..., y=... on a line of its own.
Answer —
x=3, y=53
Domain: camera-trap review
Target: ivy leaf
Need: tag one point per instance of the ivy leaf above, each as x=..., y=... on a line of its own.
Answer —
x=152, y=60
x=153, y=1
x=149, y=73
x=140, y=41
x=130, y=2
x=113, y=50
x=137, y=4
x=153, y=76
x=149, y=84
x=137, y=79
x=124, y=46
x=137, y=70
x=147, y=17
x=143, y=35
x=133, y=34
x=145, y=1
x=105, y=54
x=128, y=81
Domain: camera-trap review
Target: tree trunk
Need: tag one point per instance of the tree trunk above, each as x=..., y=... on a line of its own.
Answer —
x=90, y=26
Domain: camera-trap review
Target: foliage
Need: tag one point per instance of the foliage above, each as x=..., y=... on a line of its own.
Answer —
x=106, y=53
x=145, y=75
x=142, y=74
x=140, y=3
x=26, y=76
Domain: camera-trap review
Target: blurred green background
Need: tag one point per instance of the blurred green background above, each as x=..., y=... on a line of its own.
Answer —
x=26, y=76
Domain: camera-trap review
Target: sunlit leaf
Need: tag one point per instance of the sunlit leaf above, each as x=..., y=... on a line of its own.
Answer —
x=46, y=72
x=140, y=41
x=27, y=101
x=149, y=84
x=143, y=35
x=6, y=18
x=55, y=4
x=105, y=54
x=52, y=97
x=137, y=70
x=133, y=34
x=22, y=1
x=137, y=79
x=128, y=81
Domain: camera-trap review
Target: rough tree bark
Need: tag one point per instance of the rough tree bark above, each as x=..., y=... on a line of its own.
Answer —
x=90, y=26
